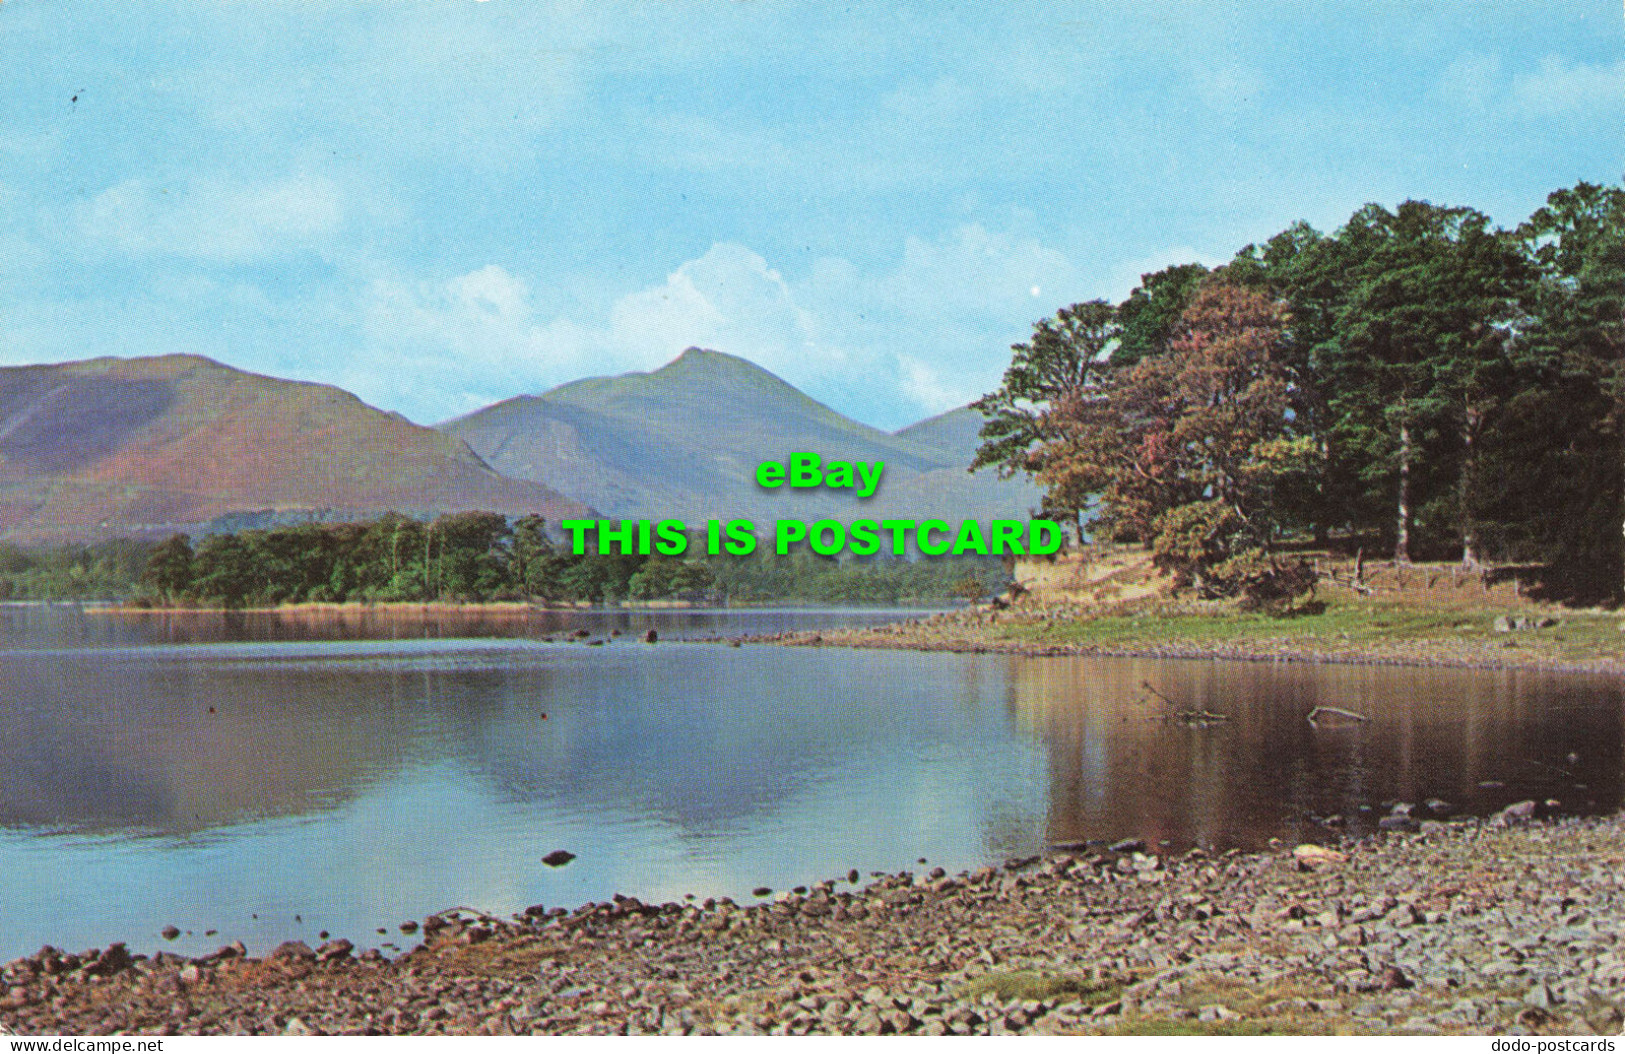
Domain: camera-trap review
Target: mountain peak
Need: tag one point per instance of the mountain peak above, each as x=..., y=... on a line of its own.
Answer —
x=704, y=362
x=685, y=440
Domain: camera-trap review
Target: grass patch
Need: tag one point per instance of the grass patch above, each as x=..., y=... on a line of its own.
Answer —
x=1277, y=1009
x=1403, y=629
x=1021, y=985
x=1162, y=1026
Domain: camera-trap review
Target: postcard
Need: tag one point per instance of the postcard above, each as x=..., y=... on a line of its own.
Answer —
x=757, y=517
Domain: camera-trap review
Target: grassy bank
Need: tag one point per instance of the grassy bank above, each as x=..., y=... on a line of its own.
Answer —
x=1338, y=629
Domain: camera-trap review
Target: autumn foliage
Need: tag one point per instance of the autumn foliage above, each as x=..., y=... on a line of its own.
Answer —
x=1418, y=381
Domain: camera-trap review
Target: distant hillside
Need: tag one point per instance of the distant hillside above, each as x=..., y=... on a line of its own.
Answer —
x=955, y=434
x=145, y=446
x=684, y=441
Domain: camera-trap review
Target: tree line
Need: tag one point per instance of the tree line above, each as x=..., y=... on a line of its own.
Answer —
x=1417, y=382
x=474, y=557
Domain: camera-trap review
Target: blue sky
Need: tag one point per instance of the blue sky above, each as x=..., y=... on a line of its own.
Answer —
x=441, y=204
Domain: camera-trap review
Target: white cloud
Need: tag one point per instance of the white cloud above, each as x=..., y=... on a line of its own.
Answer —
x=975, y=273
x=930, y=333
x=215, y=219
x=1560, y=88
x=729, y=300
x=925, y=386
x=480, y=334
x=937, y=327
x=476, y=337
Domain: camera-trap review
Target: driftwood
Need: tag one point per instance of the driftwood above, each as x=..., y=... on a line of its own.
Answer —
x=1193, y=718
x=1320, y=712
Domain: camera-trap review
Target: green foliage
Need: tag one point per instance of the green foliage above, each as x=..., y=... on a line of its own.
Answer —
x=1433, y=384
x=1189, y=449
x=1202, y=542
x=1149, y=318
x=1577, y=243
x=169, y=568
x=105, y=571
x=1049, y=377
x=466, y=557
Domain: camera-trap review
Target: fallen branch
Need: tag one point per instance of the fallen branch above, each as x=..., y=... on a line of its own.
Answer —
x=1333, y=711
x=1190, y=717
x=1147, y=686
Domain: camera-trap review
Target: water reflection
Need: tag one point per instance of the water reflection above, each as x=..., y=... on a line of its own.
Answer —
x=237, y=772
x=1478, y=739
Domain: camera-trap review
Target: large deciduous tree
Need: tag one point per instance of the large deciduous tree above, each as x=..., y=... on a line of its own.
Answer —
x=1188, y=449
x=1058, y=370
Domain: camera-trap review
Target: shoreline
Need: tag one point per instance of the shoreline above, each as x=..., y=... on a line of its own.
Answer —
x=1450, y=931
x=498, y=607
x=973, y=632
x=957, y=634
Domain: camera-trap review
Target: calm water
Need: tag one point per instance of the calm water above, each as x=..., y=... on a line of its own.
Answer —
x=272, y=776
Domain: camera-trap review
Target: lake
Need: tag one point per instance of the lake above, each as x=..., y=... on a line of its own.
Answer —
x=270, y=776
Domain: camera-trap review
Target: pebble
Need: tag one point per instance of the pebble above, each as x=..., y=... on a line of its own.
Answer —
x=1476, y=928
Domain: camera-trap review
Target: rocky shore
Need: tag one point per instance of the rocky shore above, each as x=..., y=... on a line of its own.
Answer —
x=1503, y=926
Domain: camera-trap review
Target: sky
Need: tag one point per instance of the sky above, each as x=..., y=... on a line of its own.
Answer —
x=438, y=204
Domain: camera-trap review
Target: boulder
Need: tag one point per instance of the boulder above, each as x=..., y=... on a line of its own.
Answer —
x=1516, y=813
x=1318, y=855
x=334, y=950
x=294, y=950
x=113, y=960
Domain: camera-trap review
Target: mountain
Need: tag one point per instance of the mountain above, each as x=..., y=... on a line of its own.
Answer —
x=146, y=446
x=684, y=442
x=956, y=433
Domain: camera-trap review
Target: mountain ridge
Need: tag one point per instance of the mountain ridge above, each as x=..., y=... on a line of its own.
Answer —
x=683, y=441
x=141, y=446
x=144, y=446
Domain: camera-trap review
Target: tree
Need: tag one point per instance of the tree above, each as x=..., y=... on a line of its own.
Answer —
x=528, y=558
x=473, y=554
x=1577, y=243
x=1149, y=318
x=169, y=569
x=1188, y=449
x=225, y=570
x=1061, y=368
x=1420, y=353
x=1303, y=269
